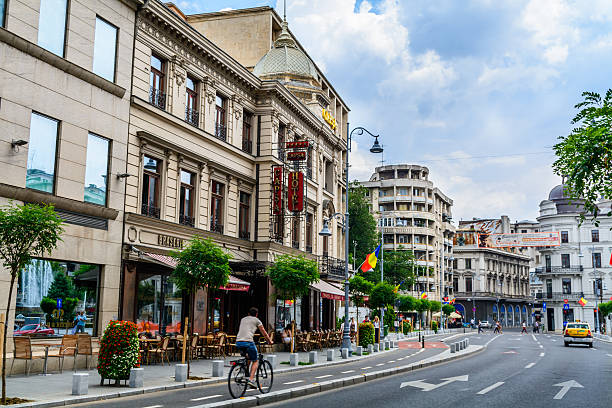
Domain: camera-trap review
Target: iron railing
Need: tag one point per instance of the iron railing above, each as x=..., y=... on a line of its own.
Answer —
x=558, y=269
x=247, y=146
x=192, y=116
x=157, y=98
x=150, y=210
x=331, y=268
x=221, y=132
x=216, y=226
x=186, y=220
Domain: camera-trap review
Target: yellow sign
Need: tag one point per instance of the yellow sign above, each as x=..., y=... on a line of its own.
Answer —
x=331, y=121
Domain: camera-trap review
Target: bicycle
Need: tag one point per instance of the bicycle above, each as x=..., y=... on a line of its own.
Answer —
x=237, y=380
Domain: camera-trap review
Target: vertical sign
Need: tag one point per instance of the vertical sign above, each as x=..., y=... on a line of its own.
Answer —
x=277, y=187
x=296, y=191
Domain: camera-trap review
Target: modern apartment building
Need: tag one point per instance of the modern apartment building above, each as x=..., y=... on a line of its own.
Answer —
x=415, y=215
x=580, y=267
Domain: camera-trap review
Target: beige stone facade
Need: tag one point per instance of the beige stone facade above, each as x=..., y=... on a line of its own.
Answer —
x=62, y=87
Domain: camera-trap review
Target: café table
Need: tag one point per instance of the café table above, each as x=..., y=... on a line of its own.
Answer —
x=47, y=346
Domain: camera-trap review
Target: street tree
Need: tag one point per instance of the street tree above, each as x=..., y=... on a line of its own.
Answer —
x=383, y=295
x=398, y=268
x=362, y=225
x=26, y=231
x=448, y=309
x=407, y=303
x=422, y=306
x=359, y=288
x=584, y=156
x=201, y=264
x=291, y=277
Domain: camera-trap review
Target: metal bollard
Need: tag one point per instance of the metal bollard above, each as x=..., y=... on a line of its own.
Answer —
x=370, y=348
x=345, y=353
x=359, y=351
x=180, y=372
x=453, y=347
x=423, y=342
x=376, y=347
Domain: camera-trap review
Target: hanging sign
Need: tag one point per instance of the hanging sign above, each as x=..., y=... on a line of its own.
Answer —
x=296, y=156
x=277, y=185
x=296, y=191
x=300, y=144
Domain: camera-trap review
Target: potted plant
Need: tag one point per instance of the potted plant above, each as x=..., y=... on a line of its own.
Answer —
x=118, y=351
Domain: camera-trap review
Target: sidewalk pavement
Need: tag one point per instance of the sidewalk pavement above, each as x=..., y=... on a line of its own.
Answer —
x=55, y=389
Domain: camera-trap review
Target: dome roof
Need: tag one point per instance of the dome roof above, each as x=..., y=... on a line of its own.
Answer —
x=285, y=58
x=557, y=193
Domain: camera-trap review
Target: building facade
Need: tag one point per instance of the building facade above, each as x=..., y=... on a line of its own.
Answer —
x=413, y=214
x=491, y=284
x=64, y=110
x=579, y=267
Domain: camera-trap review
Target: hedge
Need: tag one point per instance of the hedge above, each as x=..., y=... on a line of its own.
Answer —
x=366, y=334
x=407, y=327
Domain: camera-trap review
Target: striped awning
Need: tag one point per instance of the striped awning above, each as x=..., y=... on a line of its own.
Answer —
x=327, y=290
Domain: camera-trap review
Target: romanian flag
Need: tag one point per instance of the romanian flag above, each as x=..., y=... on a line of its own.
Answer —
x=423, y=295
x=452, y=301
x=398, y=286
x=582, y=301
x=370, y=261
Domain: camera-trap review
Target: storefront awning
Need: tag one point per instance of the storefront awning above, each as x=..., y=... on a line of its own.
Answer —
x=328, y=291
x=340, y=287
x=233, y=284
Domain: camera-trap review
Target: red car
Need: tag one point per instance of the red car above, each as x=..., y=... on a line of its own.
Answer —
x=34, y=329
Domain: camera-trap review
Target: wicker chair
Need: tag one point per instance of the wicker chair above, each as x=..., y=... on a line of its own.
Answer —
x=161, y=351
x=23, y=351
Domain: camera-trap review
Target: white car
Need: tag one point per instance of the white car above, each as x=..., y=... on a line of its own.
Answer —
x=485, y=324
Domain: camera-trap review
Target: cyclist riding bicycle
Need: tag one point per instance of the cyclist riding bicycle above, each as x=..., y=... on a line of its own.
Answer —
x=244, y=341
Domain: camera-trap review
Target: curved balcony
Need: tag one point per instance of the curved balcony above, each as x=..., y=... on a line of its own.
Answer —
x=419, y=199
x=409, y=230
x=426, y=263
x=386, y=199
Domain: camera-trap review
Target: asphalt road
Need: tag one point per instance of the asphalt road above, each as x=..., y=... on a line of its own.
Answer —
x=514, y=371
x=196, y=396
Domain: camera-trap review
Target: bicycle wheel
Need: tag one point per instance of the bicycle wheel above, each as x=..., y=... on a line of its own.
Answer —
x=265, y=376
x=237, y=380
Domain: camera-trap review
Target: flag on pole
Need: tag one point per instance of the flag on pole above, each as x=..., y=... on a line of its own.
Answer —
x=370, y=261
x=398, y=286
x=582, y=301
x=423, y=295
x=452, y=301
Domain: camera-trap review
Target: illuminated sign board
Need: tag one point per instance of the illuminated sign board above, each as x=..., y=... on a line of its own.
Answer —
x=296, y=156
x=301, y=144
x=296, y=191
x=277, y=184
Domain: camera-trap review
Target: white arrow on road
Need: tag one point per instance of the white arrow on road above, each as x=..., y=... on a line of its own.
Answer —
x=565, y=388
x=428, y=387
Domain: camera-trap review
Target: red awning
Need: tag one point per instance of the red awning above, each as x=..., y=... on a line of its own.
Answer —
x=233, y=284
x=340, y=287
x=328, y=291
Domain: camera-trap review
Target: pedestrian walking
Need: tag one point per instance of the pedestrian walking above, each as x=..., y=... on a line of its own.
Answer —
x=524, y=328
x=479, y=327
x=536, y=327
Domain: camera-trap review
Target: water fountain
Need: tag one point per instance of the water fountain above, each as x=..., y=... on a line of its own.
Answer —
x=34, y=283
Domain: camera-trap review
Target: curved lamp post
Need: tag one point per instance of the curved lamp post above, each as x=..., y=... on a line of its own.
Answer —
x=325, y=231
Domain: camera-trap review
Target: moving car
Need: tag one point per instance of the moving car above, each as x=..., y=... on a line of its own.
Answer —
x=577, y=332
x=34, y=329
x=485, y=324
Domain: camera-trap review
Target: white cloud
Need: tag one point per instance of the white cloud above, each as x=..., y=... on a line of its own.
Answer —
x=556, y=54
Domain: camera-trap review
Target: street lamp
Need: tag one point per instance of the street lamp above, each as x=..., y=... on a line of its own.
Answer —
x=325, y=231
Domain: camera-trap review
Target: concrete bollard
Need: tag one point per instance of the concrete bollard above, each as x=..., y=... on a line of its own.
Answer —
x=312, y=357
x=387, y=345
x=461, y=345
x=345, y=353
x=180, y=372
x=136, y=377
x=359, y=351
x=80, y=383
x=453, y=347
x=330, y=354
x=376, y=347
x=467, y=342
x=273, y=359
x=217, y=368
x=370, y=348
x=293, y=359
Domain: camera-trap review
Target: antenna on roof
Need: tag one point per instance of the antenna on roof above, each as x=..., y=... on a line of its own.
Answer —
x=284, y=10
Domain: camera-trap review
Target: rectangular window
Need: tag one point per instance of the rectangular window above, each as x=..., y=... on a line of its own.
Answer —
x=220, y=118
x=468, y=264
x=548, y=263
x=3, y=12
x=52, y=25
x=42, y=150
x=151, y=185
x=566, y=286
x=468, y=284
x=105, y=50
x=403, y=191
x=247, y=141
x=595, y=236
x=565, y=260
x=243, y=218
x=455, y=285
x=96, y=169
x=549, y=288
x=309, y=233
x=564, y=237
x=191, y=102
x=216, y=207
x=596, y=260
x=295, y=233
x=42, y=282
x=282, y=130
x=157, y=82
x=187, y=198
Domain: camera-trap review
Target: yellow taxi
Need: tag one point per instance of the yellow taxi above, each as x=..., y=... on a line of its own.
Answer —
x=577, y=332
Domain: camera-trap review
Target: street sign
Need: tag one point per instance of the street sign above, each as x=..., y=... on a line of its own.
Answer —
x=566, y=301
x=566, y=307
x=59, y=303
x=544, y=306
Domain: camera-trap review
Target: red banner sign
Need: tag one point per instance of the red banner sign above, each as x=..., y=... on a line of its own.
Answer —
x=302, y=144
x=277, y=186
x=296, y=156
x=296, y=191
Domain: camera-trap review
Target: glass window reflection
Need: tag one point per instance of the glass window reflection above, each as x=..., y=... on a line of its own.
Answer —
x=105, y=50
x=2, y=12
x=52, y=25
x=96, y=170
x=40, y=173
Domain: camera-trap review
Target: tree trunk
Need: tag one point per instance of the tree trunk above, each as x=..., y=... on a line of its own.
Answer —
x=8, y=310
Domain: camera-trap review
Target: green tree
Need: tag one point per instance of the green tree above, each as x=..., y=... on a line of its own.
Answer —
x=362, y=225
x=26, y=231
x=434, y=306
x=291, y=277
x=448, y=309
x=359, y=288
x=407, y=303
x=202, y=264
x=61, y=287
x=422, y=305
x=48, y=305
x=583, y=156
x=398, y=267
x=382, y=296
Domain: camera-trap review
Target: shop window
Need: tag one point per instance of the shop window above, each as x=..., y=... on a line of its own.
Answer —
x=244, y=216
x=221, y=117
x=191, y=102
x=42, y=283
x=151, y=186
x=309, y=232
x=52, y=25
x=105, y=50
x=159, y=305
x=595, y=236
x=247, y=138
x=96, y=169
x=42, y=146
x=216, y=207
x=157, y=82
x=596, y=260
x=564, y=237
x=186, y=216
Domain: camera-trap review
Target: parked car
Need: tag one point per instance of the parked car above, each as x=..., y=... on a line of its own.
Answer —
x=34, y=329
x=485, y=324
x=577, y=332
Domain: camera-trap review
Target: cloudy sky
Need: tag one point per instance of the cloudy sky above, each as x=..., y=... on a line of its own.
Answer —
x=477, y=90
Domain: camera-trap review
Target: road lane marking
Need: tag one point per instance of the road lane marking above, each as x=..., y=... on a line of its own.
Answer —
x=392, y=361
x=489, y=388
x=324, y=376
x=553, y=340
x=205, y=398
x=365, y=368
x=542, y=354
x=428, y=387
x=565, y=388
x=348, y=371
x=381, y=364
x=529, y=365
x=154, y=406
x=541, y=346
x=534, y=339
x=293, y=382
x=609, y=355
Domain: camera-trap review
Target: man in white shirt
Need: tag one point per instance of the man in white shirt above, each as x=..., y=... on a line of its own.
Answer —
x=244, y=340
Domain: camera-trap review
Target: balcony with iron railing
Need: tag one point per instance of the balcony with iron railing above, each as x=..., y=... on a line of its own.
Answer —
x=309, y=249
x=157, y=98
x=246, y=235
x=186, y=220
x=221, y=132
x=216, y=226
x=559, y=296
x=558, y=270
x=295, y=244
x=331, y=268
x=150, y=211
x=247, y=146
x=192, y=116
